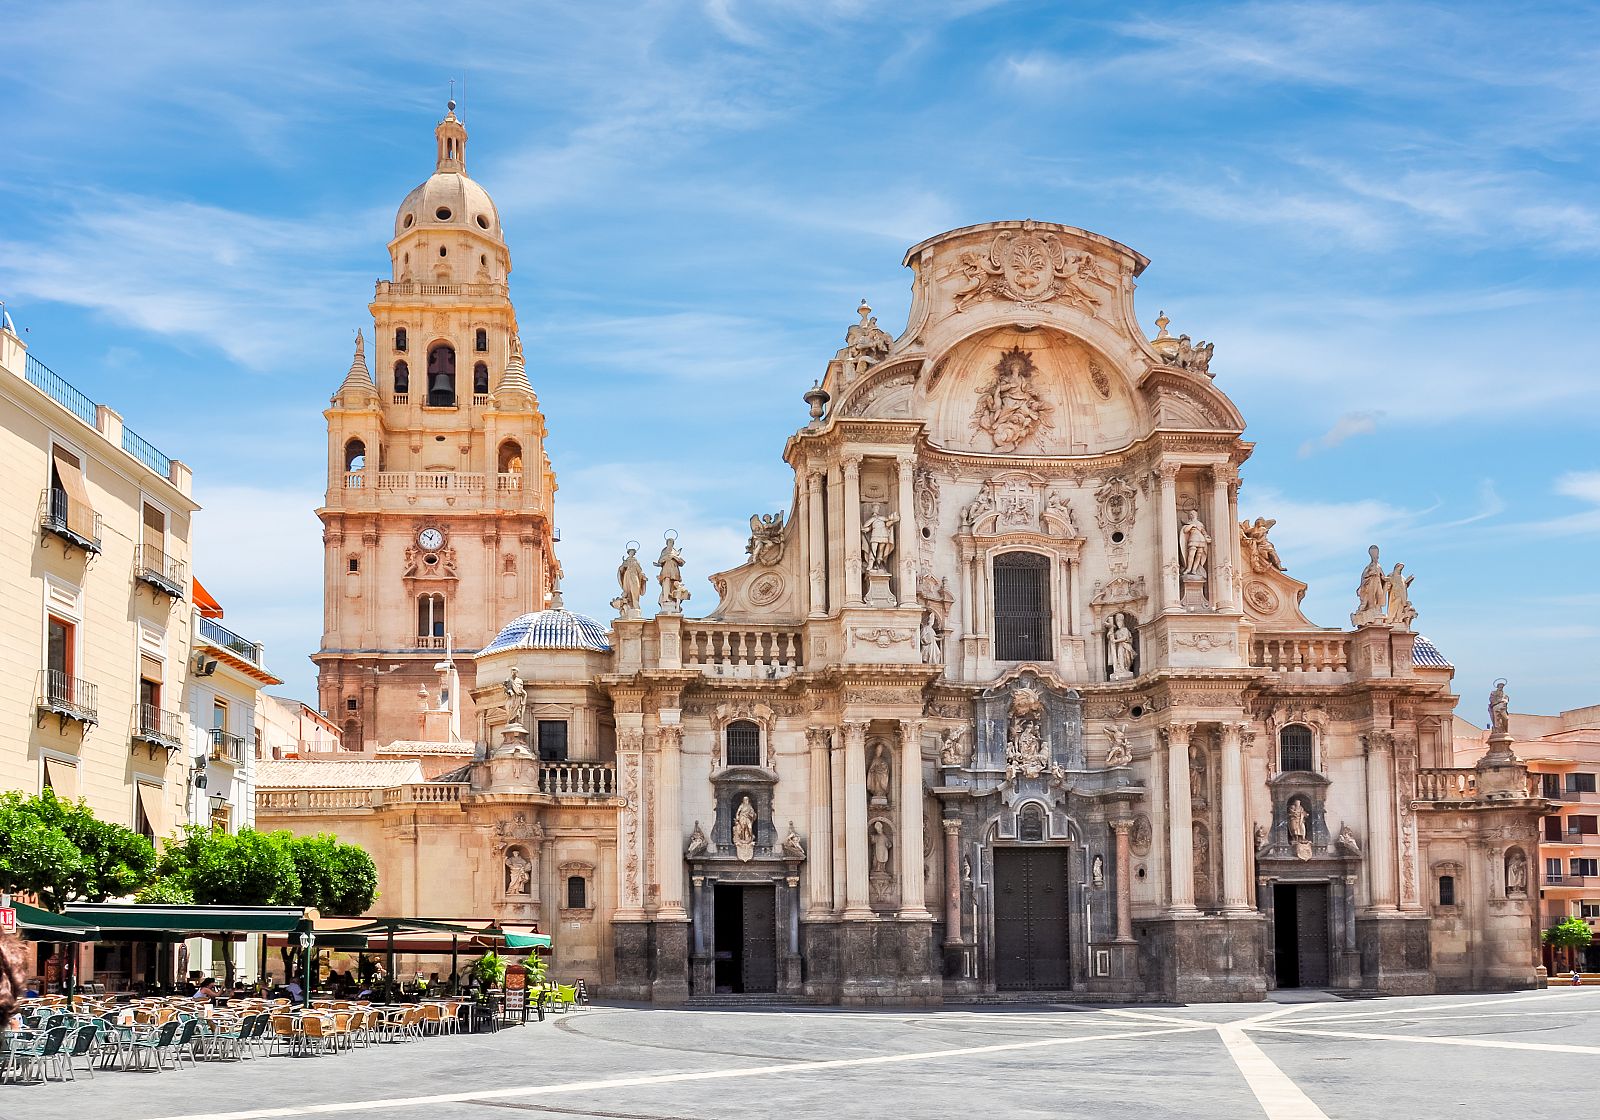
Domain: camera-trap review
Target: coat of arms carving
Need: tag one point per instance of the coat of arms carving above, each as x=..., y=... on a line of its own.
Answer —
x=1010, y=410
x=1028, y=267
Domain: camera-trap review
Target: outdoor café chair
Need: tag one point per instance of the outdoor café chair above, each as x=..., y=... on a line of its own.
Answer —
x=147, y=1051
x=260, y=1040
x=235, y=1043
x=314, y=1034
x=85, y=1041
x=432, y=1018
x=46, y=1052
x=285, y=1034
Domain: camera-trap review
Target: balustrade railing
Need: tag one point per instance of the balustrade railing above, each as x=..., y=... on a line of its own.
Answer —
x=412, y=483
x=415, y=288
x=311, y=800
x=62, y=694
x=432, y=793
x=733, y=651
x=577, y=779
x=158, y=727
x=71, y=520
x=1301, y=653
x=152, y=565
x=429, y=641
x=1447, y=783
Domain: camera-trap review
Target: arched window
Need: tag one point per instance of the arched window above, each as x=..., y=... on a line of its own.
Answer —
x=355, y=456
x=480, y=341
x=1294, y=748
x=1021, y=607
x=744, y=743
x=430, y=616
x=480, y=378
x=402, y=377
x=577, y=892
x=441, y=375
x=400, y=338
x=511, y=457
x=1030, y=824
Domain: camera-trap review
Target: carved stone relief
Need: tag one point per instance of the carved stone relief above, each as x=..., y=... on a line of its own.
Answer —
x=1010, y=409
x=1027, y=266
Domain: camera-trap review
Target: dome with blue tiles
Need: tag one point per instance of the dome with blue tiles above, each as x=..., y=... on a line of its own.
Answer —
x=553, y=628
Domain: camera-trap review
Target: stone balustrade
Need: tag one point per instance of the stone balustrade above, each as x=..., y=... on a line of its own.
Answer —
x=577, y=779
x=1301, y=653
x=312, y=800
x=733, y=651
x=433, y=793
x=1447, y=783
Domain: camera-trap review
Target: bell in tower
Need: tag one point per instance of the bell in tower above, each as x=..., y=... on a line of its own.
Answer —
x=441, y=377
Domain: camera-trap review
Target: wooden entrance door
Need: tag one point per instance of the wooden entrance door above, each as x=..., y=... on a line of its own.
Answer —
x=1030, y=919
x=759, y=958
x=1300, y=936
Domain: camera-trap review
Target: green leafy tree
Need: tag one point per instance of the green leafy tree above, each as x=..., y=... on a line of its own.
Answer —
x=60, y=852
x=1571, y=934
x=336, y=878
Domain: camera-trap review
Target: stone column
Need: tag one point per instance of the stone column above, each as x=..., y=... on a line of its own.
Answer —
x=1380, y=818
x=1224, y=534
x=913, y=903
x=819, y=848
x=906, y=547
x=850, y=529
x=952, y=880
x=669, y=823
x=1168, y=535
x=1235, y=854
x=856, y=901
x=630, y=821
x=1180, y=817
x=817, y=536
x=1123, y=827
x=836, y=800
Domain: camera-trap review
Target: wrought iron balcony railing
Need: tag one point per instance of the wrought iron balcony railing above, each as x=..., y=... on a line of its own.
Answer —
x=219, y=635
x=67, y=697
x=157, y=728
x=71, y=520
x=226, y=746
x=152, y=565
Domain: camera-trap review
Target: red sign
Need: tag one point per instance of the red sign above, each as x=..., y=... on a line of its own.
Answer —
x=8, y=919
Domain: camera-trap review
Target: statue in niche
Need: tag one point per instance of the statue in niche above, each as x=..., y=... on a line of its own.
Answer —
x=1261, y=552
x=744, y=830
x=953, y=747
x=1348, y=842
x=516, y=699
x=1371, y=592
x=698, y=844
x=766, y=539
x=979, y=510
x=932, y=652
x=1195, y=543
x=631, y=579
x=1499, y=709
x=877, y=537
x=1009, y=409
x=1401, y=612
x=880, y=846
x=1097, y=870
x=673, y=593
x=1260, y=836
x=1027, y=752
x=792, y=846
x=1299, y=828
x=1120, y=752
x=519, y=872
x=878, y=776
x=1516, y=874
x=1119, y=646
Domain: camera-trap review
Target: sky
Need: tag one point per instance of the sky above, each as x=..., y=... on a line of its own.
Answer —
x=1383, y=215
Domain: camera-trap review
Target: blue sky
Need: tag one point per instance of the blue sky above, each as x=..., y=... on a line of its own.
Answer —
x=1384, y=215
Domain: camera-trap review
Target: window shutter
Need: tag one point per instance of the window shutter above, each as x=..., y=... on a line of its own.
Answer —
x=69, y=473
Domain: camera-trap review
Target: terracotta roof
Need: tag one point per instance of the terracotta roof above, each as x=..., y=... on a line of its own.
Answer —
x=290, y=773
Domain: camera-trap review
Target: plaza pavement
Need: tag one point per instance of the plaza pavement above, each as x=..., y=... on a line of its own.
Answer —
x=1436, y=1056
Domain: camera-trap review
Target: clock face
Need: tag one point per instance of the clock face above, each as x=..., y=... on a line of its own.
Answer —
x=430, y=538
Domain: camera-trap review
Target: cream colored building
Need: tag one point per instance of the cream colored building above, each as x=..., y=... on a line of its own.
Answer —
x=94, y=654
x=288, y=728
x=1562, y=753
x=1007, y=699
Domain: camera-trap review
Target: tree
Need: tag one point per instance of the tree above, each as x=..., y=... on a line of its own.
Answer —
x=60, y=852
x=1569, y=934
x=336, y=878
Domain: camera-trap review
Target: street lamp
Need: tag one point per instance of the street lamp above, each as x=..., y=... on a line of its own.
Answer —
x=308, y=942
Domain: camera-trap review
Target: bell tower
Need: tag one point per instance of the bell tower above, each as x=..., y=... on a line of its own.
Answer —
x=437, y=523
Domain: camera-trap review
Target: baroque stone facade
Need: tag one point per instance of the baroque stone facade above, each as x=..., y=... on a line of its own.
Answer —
x=1009, y=698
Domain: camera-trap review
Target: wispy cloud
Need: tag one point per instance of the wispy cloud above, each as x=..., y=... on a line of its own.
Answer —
x=1348, y=426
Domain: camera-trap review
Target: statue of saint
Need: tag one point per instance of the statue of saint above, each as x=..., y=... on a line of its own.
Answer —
x=1499, y=709
x=1401, y=612
x=1516, y=873
x=881, y=846
x=792, y=847
x=1298, y=818
x=673, y=592
x=1348, y=841
x=878, y=775
x=698, y=844
x=631, y=578
x=1097, y=870
x=744, y=829
x=1196, y=545
x=1119, y=645
x=519, y=872
x=1119, y=753
x=932, y=652
x=1370, y=592
x=877, y=537
x=516, y=699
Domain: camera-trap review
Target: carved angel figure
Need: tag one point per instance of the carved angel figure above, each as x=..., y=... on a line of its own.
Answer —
x=1120, y=752
x=792, y=846
x=953, y=747
x=1348, y=842
x=766, y=539
x=698, y=844
x=1009, y=409
x=1262, y=553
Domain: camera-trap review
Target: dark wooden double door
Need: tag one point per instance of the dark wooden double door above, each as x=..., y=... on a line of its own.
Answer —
x=1300, y=934
x=1030, y=919
x=746, y=937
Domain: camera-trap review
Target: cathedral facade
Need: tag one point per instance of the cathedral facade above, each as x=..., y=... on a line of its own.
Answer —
x=1008, y=699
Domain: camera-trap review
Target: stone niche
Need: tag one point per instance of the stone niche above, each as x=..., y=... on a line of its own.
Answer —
x=1027, y=704
x=732, y=785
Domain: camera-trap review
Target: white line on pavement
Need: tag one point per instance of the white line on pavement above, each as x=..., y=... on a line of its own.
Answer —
x=670, y=1078
x=1491, y=1044
x=1279, y=1097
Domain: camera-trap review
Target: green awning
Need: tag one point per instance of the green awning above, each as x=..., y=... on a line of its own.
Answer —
x=117, y=920
x=527, y=940
x=42, y=925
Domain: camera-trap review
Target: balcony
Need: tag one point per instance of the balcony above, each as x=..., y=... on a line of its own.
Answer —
x=153, y=566
x=428, y=641
x=1447, y=783
x=730, y=650
x=220, y=636
x=1559, y=881
x=72, y=521
x=414, y=288
x=397, y=488
x=67, y=697
x=226, y=746
x=577, y=779
x=158, y=729
x=1313, y=653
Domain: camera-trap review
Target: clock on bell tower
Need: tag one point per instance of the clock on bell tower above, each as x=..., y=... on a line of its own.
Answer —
x=437, y=523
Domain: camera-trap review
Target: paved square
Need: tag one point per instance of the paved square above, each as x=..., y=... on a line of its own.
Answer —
x=1416, y=1057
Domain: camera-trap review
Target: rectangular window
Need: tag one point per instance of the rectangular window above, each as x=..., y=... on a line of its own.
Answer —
x=1580, y=783
x=222, y=818
x=1588, y=910
x=1582, y=825
x=1552, y=869
x=219, y=715
x=1447, y=890
x=552, y=740
x=1584, y=866
x=1552, y=828
x=355, y=564
x=1021, y=607
x=577, y=892
x=155, y=539
x=60, y=659
x=1550, y=785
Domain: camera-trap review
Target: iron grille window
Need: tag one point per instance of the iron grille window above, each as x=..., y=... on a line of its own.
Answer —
x=1447, y=890
x=577, y=892
x=1294, y=748
x=1021, y=607
x=552, y=740
x=744, y=744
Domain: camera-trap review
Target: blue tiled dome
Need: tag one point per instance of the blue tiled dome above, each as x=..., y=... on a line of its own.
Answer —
x=556, y=628
x=1424, y=654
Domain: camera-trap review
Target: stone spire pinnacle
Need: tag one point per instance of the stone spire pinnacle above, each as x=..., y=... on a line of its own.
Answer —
x=359, y=379
x=515, y=378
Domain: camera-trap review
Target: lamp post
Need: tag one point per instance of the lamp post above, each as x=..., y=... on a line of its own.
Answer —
x=308, y=944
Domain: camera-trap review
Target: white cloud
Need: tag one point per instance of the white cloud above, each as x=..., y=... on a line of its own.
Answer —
x=1348, y=426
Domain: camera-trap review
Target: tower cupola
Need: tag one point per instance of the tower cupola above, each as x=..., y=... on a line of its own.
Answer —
x=452, y=138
